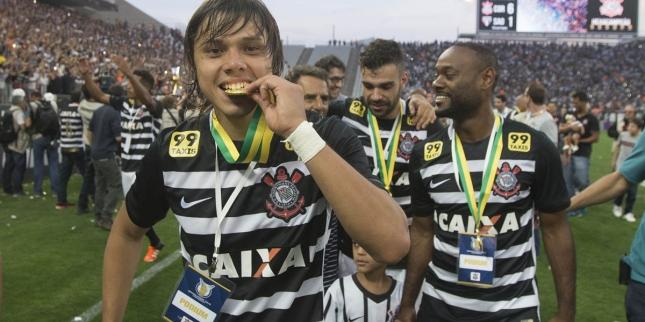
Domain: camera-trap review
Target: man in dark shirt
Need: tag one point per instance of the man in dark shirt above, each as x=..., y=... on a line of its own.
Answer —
x=105, y=134
x=576, y=171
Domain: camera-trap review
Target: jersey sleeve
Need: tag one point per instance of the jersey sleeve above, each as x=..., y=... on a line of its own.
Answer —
x=334, y=305
x=549, y=190
x=421, y=204
x=343, y=141
x=633, y=168
x=146, y=202
x=337, y=108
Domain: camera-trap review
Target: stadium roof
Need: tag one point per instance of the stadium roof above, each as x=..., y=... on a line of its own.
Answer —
x=108, y=10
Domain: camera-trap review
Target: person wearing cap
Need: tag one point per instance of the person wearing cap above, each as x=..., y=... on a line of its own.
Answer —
x=15, y=152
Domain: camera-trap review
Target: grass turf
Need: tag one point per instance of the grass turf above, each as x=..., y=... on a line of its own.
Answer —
x=52, y=260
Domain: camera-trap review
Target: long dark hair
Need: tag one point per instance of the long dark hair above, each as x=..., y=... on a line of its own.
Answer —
x=216, y=18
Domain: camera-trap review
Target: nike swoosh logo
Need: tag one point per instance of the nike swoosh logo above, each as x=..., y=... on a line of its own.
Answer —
x=360, y=317
x=185, y=204
x=434, y=185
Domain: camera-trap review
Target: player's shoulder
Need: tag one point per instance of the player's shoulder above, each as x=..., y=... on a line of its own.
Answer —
x=194, y=124
x=521, y=138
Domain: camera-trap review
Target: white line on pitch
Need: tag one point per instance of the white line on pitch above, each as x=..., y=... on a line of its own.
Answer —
x=151, y=272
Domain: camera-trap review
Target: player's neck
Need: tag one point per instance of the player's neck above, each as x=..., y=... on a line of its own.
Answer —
x=235, y=126
x=376, y=282
x=477, y=127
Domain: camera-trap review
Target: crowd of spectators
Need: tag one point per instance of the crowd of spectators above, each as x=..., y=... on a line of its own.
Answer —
x=40, y=43
x=612, y=75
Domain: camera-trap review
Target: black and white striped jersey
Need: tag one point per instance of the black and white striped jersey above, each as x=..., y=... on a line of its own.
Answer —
x=348, y=300
x=354, y=113
x=71, y=127
x=529, y=178
x=139, y=128
x=274, y=236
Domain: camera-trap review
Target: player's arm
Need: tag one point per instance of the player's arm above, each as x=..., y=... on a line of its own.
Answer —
x=367, y=213
x=550, y=200
x=139, y=90
x=97, y=94
x=421, y=239
x=119, y=265
x=558, y=243
x=144, y=206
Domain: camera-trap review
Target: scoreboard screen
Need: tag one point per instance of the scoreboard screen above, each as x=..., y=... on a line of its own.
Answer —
x=574, y=16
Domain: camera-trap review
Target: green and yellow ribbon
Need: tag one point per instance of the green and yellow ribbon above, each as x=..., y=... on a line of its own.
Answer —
x=384, y=165
x=257, y=140
x=488, y=177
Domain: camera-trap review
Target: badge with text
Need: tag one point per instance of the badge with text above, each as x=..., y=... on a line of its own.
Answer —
x=432, y=150
x=198, y=298
x=476, y=266
x=357, y=108
x=519, y=141
x=184, y=144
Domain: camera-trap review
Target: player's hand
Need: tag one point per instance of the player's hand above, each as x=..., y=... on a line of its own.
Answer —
x=84, y=66
x=406, y=314
x=287, y=112
x=122, y=63
x=422, y=111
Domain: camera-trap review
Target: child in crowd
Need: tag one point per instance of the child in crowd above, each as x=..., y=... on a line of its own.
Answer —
x=626, y=142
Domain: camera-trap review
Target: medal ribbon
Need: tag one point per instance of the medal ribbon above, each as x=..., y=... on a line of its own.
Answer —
x=257, y=138
x=385, y=166
x=493, y=155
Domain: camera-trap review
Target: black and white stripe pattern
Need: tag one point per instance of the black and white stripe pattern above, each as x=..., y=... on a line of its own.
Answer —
x=348, y=300
x=531, y=180
x=71, y=127
x=400, y=188
x=275, y=258
x=139, y=128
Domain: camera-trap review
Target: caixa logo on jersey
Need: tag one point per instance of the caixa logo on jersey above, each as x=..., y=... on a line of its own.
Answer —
x=285, y=200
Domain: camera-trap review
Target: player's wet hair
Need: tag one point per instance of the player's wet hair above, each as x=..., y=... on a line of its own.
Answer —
x=536, y=92
x=215, y=19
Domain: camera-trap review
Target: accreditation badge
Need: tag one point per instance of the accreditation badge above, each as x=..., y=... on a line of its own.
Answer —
x=197, y=298
x=476, y=263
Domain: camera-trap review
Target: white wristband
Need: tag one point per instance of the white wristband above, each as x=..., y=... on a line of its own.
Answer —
x=305, y=141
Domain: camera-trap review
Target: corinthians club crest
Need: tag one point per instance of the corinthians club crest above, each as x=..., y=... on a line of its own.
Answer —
x=406, y=145
x=506, y=183
x=285, y=200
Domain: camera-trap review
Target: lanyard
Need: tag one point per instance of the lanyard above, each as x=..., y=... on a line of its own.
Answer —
x=258, y=138
x=462, y=171
x=384, y=166
x=257, y=142
x=223, y=212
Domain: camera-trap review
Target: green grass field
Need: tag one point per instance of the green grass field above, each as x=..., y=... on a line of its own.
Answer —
x=52, y=261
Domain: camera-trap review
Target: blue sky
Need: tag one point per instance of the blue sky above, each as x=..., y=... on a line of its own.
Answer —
x=311, y=22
